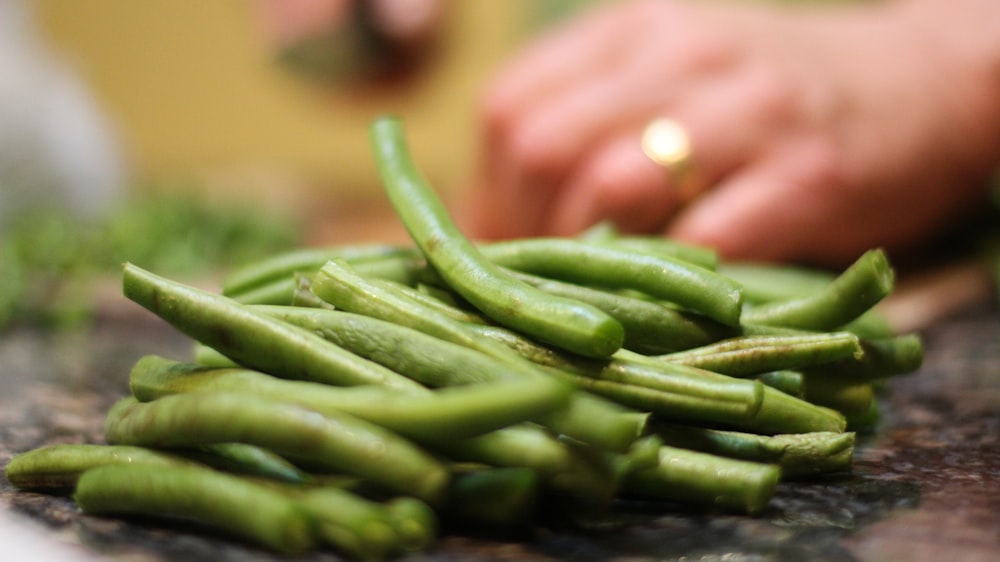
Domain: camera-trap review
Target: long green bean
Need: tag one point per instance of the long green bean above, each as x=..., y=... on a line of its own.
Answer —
x=565, y=323
x=799, y=454
x=57, y=467
x=447, y=414
x=753, y=355
x=343, y=443
x=254, y=339
x=689, y=286
x=218, y=500
x=706, y=479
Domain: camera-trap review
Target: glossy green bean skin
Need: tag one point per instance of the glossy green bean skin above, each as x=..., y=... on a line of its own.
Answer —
x=57, y=467
x=650, y=327
x=345, y=443
x=587, y=418
x=564, y=323
x=706, y=479
x=254, y=339
x=789, y=382
x=851, y=294
x=689, y=286
x=215, y=499
x=448, y=414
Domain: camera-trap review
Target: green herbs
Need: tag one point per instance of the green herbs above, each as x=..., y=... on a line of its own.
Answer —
x=362, y=398
x=51, y=261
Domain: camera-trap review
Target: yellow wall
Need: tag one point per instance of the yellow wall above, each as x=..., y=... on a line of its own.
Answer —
x=196, y=93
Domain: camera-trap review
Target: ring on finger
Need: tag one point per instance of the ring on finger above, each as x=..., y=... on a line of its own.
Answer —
x=667, y=144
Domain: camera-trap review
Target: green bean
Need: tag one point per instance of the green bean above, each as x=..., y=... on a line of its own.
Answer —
x=493, y=498
x=789, y=382
x=780, y=413
x=752, y=355
x=864, y=421
x=650, y=327
x=284, y=265
x=689, y=286
x=450, y=413
x=882, y=358
x=242, y=458
x=799, y=455
x=855, y=291
x=870, y=325
x=605, y=233
x=846, y=396
x=415, y=522
x=342, y=443
x=302, y=294
x=361, y=528
x=458, y=314
x=278, y=291
x=218, y=500
x=57, y=467
x=210, y=357
x=587, y=418
x=405, y=269
x=660, y=246
x=767, y=282
x=561, y=466
x=254, y=339
x=682, y=392
x=706, y=479
x=662, y=388
x=564, y=323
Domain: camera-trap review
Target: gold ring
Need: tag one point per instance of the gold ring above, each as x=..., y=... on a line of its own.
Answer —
x=666, y=143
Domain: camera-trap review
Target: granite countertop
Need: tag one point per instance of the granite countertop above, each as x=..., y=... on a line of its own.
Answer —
x=925, y=486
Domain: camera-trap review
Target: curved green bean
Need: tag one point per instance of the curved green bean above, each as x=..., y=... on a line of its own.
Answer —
x=565, y=323
x=851, y=294
x=342, y=443
x=57, y=467
x=218, y=500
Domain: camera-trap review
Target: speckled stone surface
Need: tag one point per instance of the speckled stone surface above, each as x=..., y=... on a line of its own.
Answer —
x=926, y=485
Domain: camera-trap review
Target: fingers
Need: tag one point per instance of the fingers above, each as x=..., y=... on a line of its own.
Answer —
x=728, y=119
x=788, y=206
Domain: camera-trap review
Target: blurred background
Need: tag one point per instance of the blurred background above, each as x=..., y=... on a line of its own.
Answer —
x=186, y=136
x=196, y=93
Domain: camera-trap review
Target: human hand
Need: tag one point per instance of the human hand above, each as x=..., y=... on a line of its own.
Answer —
x=815, y=134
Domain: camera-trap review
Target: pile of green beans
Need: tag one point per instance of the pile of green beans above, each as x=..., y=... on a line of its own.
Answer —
x=366, y=398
